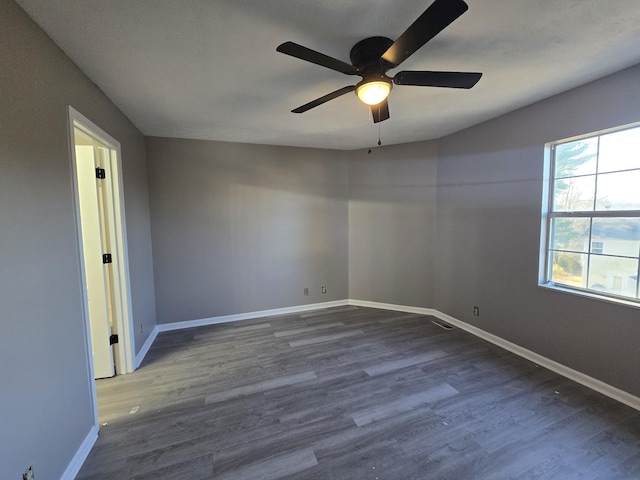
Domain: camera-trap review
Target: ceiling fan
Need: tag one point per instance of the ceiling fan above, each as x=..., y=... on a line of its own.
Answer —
x=372, y=57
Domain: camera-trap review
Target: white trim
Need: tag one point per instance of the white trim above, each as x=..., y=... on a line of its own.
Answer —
x=589, y=294
x=85, y=305
x=570, y=373
x=145, y=347
x=81, y=455
x=576, y=376
x=125, y=349
x=391, y=306
x=167, y=327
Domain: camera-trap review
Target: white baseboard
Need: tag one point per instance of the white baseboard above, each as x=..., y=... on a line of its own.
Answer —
x=586, y=380
x=570, y=373
x=576, y=376
x=81, y=455
x=145, y=347
x=166, y=327
x=394, y=307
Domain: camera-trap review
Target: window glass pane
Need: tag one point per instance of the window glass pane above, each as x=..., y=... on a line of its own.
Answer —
x=614, y=275
x=619, y=151
x=570, y=234
x=616, y=236
x=574, y=194
x=569, y=269
x=619, y=191
x=593, y=242
x=576, y=158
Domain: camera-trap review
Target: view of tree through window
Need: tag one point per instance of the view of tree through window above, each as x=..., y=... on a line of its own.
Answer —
x=593, y=223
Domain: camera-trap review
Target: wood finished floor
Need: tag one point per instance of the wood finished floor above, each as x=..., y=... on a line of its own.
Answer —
x=352, y=393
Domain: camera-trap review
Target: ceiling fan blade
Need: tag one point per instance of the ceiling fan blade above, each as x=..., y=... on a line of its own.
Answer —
x=304, y=53
x=435, y=18
x=326, y=98
x=437, y=79
x=380, y=112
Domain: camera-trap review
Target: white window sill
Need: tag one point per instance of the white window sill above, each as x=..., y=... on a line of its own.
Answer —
x=591, y=295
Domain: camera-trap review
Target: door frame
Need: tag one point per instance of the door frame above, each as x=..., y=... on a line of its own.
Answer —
x=123, y=316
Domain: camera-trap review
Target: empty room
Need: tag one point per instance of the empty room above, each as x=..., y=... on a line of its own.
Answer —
x=319, y=240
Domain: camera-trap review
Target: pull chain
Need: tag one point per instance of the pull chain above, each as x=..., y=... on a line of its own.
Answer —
x=379, y=141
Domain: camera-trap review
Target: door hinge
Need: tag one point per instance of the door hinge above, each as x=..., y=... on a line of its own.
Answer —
x=113, y=339
x=100, y=173
x=106, y=258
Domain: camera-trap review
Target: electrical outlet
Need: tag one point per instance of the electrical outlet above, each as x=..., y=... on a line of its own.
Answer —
x=306, y=291
x=324, y=289
x=28, y=475
x=476, y=311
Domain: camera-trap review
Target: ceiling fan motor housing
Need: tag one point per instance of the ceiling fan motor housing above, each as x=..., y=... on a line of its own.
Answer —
x=367, y=53
x=366, y=57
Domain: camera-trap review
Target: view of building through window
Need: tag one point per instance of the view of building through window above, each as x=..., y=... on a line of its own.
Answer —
x=593, y=220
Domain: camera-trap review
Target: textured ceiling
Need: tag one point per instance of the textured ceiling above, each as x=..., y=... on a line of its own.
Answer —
x=209, y=69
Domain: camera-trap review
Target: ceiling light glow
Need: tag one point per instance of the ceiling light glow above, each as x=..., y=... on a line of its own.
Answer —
x=374, y=92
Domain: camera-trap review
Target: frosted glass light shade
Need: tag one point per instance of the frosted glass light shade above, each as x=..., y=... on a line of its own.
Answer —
x=372, y=93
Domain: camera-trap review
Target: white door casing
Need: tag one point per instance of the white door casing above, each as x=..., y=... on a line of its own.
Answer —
x=109, y=155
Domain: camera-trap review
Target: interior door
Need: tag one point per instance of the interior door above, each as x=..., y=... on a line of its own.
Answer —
x=96, y=274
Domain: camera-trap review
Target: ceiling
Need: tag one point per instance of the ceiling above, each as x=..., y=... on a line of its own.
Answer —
x=208, y=69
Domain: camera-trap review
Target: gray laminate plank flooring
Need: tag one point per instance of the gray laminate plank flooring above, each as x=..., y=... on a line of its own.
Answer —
x=260, y=387
x=352, y=393
x=392, y=365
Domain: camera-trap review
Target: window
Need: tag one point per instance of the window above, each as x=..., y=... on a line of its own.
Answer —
x=591, y=219
x=597, y=247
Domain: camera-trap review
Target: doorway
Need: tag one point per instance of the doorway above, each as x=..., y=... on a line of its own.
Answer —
x=103, y=249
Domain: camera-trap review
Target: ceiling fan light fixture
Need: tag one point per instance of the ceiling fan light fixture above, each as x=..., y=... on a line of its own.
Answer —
x=374, y=91
x=372, y=57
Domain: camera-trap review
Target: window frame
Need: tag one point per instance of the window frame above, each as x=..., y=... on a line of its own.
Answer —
x=548, y=214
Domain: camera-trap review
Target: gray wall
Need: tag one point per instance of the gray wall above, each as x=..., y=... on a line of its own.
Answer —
x=489, y=202
x=45, y=387
x=447, y=224
x=392, y=220
x=240, y=228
